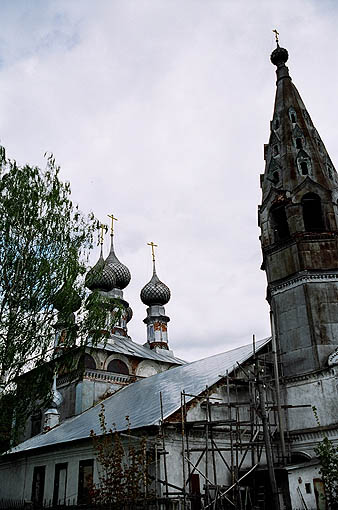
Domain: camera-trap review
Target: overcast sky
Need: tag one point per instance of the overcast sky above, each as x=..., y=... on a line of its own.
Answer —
x=157, y=111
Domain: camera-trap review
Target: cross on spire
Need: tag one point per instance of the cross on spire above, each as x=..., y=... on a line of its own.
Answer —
x=103, y=228
x=112, y=223
x=152, y=249
x=276, y=35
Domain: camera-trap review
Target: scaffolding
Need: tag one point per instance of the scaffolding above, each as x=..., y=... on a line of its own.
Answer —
x=241, y=435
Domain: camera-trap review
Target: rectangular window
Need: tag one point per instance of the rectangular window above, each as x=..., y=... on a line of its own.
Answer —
x=86, y=469
x=38, y=486
x=60, y=484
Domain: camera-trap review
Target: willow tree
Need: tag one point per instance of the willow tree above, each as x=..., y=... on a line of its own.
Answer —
x=44, y=243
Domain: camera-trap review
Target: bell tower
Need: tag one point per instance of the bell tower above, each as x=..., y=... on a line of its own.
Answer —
x=298, y=218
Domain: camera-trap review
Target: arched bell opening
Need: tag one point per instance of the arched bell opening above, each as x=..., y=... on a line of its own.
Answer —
x=279, y=222
x=312, y=213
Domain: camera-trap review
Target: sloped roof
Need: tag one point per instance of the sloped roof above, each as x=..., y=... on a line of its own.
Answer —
x=126, y=346
x=141, y=400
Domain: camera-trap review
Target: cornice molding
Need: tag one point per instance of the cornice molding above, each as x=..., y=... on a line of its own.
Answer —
x=300, y=280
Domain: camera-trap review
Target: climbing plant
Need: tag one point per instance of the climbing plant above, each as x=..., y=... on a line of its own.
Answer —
x=327, y=453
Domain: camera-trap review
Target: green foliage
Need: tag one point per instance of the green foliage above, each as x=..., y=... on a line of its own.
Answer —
x=123, y=469
x=327, y=453
x=44, y=244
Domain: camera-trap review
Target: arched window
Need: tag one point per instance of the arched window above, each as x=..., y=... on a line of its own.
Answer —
x=303, y=162
x=292, y=115
x=312, y=213
x=275, y=150
x=300, y=457
x=87, y=361
x=279, y=222
x=299, y=143
x=275, y=177
x=117, y=366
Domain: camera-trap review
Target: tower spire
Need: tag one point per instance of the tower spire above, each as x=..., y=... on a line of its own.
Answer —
x=299, y=229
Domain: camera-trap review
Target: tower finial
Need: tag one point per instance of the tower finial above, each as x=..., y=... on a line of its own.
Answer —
x=112, y=223
x=276, y=36
x=153, y=245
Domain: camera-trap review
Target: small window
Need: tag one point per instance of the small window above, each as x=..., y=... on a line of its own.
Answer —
x=86, y=470
x=275, y=150
x=276, y=123
x=299, y=143
x=275, y=177
x=38, y=486
x=304, y=168
x=118, y=367
x=312, y=213
x=293, y=117
x=308, y=488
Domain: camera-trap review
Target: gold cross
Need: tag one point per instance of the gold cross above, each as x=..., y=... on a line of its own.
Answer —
x=102, y=228
x=112, y=223
x=152, y=249
x=276, y=35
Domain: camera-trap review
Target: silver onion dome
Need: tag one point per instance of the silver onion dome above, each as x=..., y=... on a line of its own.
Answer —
x=101, y=276
x=121, y=272
x=155, y=292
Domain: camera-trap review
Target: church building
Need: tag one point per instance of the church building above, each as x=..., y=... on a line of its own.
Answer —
x=235, y=430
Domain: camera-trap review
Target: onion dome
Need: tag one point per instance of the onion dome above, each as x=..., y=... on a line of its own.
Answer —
x=279, y=56
x=101, y=276
x=121, y=272
x=155, y=292
x=67, y=299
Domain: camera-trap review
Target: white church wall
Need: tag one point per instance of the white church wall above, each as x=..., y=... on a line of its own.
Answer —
x=16, y=477
x=319, y=390
x=12, y=479
x=302, y=481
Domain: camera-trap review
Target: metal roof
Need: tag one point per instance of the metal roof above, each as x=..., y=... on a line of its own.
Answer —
x=124, y=345
x=140, y=401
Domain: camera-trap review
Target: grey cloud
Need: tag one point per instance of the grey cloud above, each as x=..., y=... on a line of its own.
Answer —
x=158, y=112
